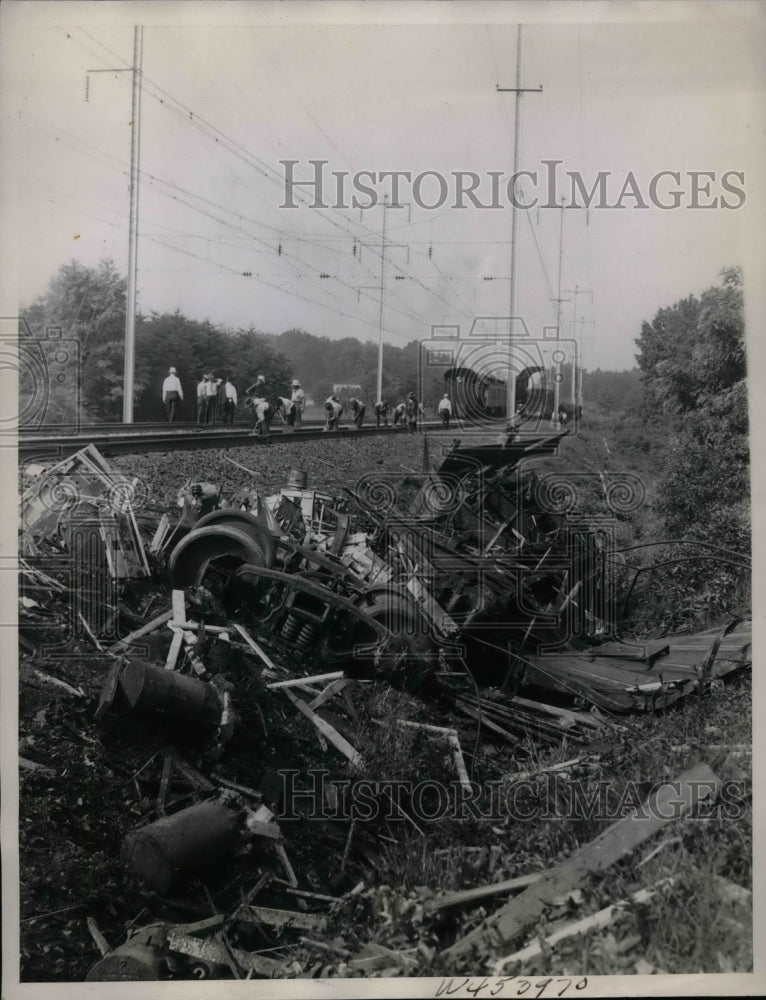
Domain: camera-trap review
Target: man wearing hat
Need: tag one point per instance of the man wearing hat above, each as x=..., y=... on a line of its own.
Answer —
x=172, y=393
x=298, y=397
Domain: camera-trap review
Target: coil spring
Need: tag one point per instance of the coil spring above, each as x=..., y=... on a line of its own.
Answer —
x=291, y=628
x=305, y=640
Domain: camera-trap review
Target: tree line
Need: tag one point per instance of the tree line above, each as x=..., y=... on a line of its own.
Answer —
x=89, y=304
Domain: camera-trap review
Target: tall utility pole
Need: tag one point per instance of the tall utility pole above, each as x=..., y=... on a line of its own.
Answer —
x=558, y=300
x=382, y=299
x=135, y=156
x=582, y=322
x=575, y=376
x=518, y=90
x=382, y=286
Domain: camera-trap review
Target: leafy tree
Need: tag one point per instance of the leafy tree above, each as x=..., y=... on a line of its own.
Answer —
x=89, y=304
x=703, y=488
x=613, y=391
x=193, y=348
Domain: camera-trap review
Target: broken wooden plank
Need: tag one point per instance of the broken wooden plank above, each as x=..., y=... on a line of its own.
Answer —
x=272, y=666
x=581, y=718
x=526, y=775
x=178, y=618
x=175, y=648
x=98, y=938
x=191, y=773
x=595, y=921
x=493, y=727
x=90, y=634
x=329, y=692
x=735, y=749
x=76, y=692
x=322, y=897
x=466, y=896
x=167, y=770
x=147, y=629
x=31, y=765
x=457, y=754
x=159, y=535
x=672, y=800
x=235, y=786
x=302, y=681
x=332, y=735
x=283, y=918
x=376, y=957
x=451, y=737
x=289, y=870
x=214, y=950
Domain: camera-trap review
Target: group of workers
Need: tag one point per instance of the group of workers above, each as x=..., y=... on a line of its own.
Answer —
x=406, y=412
x=217, y=401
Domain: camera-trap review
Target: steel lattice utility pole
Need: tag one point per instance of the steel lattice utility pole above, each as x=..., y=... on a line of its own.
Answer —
x=575, y=376
x=135, y=156
x=518, y=90
x=379, y=388
x=582, y=322
x=382, y=288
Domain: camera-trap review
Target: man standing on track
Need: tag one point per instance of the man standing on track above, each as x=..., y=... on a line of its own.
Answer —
x=172, y=393
x=298, y=397
x=445, y=409
x=201, y=401
x=229, y=401
x=412, y=410
x=399, y=412
x=211, y=394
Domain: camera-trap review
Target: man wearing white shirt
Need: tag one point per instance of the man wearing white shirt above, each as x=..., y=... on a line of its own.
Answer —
x=211, y=392
x=261, y=409
x=172, y=393
x=298, y=397
x=445, y=409
x=229, y=401
x=201, y=400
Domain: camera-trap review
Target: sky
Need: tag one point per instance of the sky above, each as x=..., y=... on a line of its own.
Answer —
x=230, y=90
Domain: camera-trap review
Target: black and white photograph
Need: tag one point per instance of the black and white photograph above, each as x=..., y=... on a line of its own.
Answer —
x=381, y=393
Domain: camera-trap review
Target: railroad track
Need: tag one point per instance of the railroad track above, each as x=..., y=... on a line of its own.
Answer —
x=121, y=439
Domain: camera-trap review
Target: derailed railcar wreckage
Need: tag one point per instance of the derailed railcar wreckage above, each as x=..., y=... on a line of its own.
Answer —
x=480, y=569
x=475, y=589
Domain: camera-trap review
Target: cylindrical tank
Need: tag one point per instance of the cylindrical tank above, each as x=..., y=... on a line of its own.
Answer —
x=178, y=846
x=175, y=697
x=297, y=480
